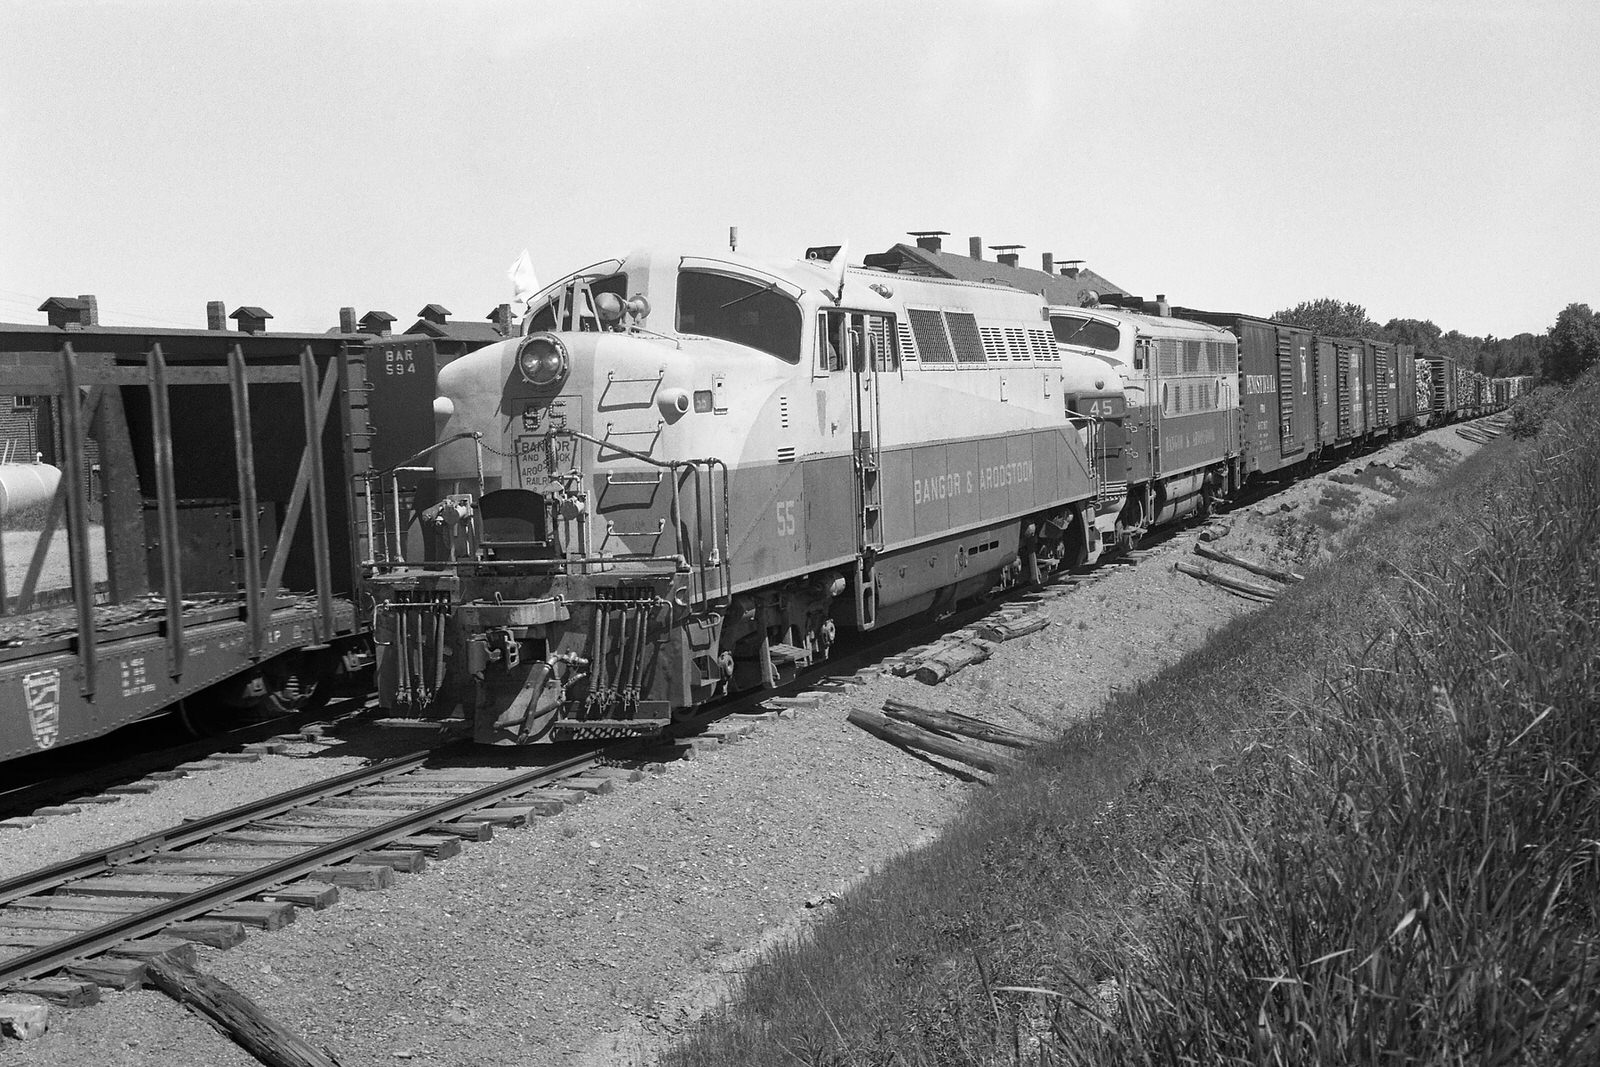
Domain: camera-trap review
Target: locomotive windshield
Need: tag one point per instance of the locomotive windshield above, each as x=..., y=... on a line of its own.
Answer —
x=573, y=310
x=1086, y=332
x=741, y=311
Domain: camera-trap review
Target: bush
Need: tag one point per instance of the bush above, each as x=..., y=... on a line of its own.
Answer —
x=1530, y=410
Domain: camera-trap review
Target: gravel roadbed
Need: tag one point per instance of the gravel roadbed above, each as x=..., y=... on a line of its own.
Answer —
x=594, y=936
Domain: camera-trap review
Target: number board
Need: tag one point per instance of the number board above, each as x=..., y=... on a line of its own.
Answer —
x=543, y=453
x=400, y=372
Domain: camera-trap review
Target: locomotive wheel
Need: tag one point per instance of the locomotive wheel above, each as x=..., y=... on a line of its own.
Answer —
x=281, y=686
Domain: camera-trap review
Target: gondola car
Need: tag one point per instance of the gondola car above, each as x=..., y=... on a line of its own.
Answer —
x=198, y=550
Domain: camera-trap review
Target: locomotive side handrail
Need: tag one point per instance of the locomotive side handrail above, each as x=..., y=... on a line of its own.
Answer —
x=716, y=558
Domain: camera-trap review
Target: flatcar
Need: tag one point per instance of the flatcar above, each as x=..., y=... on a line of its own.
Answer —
x=692, y=472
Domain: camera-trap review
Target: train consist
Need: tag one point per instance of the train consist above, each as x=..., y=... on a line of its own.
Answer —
x=691, y=473
x=686, y=475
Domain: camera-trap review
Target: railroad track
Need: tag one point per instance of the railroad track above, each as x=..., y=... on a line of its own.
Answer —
x=90, y=920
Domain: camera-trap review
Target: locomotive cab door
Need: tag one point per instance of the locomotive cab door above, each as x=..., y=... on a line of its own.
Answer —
x=867, y=339
x=857, y=346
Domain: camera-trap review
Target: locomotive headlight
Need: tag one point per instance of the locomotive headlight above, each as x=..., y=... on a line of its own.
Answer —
x=542, y=359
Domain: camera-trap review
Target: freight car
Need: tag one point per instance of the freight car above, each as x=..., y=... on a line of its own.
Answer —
x=691, y=473
x=198, y=547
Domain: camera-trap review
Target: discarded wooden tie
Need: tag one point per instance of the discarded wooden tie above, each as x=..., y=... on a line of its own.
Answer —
x=1001, y=630
x=956, y=656
x=1236, y=586
x=236, y=1017
x=1254, y=568
x=956, y=723
x=901, y=733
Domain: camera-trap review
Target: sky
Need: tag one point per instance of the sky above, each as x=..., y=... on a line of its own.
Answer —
x=1433, y=159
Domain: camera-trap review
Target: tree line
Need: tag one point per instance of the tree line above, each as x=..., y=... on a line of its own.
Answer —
x=1565, y=350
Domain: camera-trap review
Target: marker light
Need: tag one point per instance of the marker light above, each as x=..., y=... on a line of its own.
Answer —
x=542, y=358
x=608, y=306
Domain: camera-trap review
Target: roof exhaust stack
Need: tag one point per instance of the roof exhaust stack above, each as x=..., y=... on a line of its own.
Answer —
x=91, y=309
x=1163, y=308
x=975, y=247
x=1007, y=254
x=1071, y=268
x=928, y=240
x=216, y=315
x=347, y=320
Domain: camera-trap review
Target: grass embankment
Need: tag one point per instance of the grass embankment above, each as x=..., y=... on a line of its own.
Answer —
x=1359, y=825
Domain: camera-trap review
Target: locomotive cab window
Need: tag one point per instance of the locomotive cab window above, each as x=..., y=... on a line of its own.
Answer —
x=738, y=310
x=1086, y=332
x=855, y=341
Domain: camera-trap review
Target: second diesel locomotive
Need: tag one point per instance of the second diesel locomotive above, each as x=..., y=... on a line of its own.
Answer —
x=692, y=472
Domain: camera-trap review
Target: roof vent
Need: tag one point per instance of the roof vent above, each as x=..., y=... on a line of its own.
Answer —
x=434, y=313
x=501, y=317
x=1071, y=268
x=1007, y=256
x=251, y=319
x=928, y=240
x=66, y=312
x=378, y=322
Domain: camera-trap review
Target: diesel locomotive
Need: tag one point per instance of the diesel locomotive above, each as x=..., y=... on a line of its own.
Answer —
x=690, y=474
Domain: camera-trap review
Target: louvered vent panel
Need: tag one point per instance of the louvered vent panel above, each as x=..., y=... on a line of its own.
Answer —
x=908, y=346
x=1191, y=357
x=880, y=330
x=1016, y=343
x=928, y=326
x=783, y=412
x=994, y=342
x=964, y=334
x=786, y=454
x=1166, y=357
x=1043, y=344
x=1230, y=358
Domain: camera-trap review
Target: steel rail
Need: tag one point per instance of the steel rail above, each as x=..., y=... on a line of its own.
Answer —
x=188, y=833
x=96, y=939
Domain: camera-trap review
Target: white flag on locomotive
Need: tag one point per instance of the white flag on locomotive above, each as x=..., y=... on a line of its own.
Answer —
x=524, y=283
